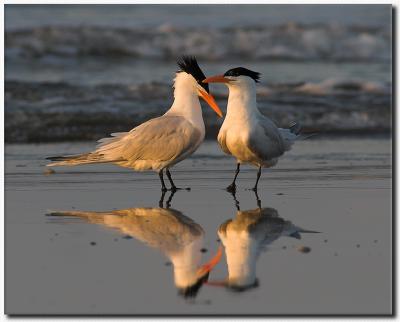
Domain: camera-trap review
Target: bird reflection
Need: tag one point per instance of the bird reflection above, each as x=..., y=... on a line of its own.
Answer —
x=245, y=237
x=177, y=236
x=237, y=203
x=169, y=200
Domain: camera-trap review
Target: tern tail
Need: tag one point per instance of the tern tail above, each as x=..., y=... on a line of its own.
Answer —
x=295, y=128
x=92, y=217
x=297, y=234
x=71, y=160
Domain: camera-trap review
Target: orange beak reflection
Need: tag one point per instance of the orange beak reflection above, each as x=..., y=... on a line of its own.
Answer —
x=216, y=79
x=206, y=268
x=210, y=101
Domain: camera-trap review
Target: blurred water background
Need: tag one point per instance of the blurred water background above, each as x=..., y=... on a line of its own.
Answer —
x=78, y=72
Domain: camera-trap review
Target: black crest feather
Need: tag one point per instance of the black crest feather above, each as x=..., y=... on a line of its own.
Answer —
x=188, y=64
x=191, y=291
x=241, y=71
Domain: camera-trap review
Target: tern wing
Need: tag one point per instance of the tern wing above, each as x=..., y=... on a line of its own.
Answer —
x=161, y=139
x=265, y=141
x=165, y=229
x=290, y=135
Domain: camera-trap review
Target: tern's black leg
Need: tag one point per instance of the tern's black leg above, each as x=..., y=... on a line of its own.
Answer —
x=163, y=187
x=237, y=204
x=173, y=187
x=258, y=199
x=232, y=186
x=168, y=203
x=258, y=178
x=161, y=202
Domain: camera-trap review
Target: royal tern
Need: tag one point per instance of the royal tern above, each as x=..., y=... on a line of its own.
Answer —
x=245, y=237
x=178, y=237
x=245, y=133
x=159, y=143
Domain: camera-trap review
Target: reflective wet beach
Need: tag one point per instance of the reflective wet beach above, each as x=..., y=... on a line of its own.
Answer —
x=99, y=239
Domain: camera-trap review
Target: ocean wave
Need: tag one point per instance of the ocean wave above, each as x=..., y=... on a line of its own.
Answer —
x=337, y=86
x=285, y=42
x=40, y=112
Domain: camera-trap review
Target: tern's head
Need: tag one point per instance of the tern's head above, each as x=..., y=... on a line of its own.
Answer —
x=189, y=79
x=190, y=282
x=236, y=77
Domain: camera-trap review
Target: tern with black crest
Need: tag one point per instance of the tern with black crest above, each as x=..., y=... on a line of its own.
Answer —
x=162, y=142
x=246, y=134
x=175, y=235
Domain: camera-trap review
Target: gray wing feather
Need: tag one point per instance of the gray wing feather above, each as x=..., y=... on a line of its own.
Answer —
x=166, y=229
x=162, y=138
x=265, y=141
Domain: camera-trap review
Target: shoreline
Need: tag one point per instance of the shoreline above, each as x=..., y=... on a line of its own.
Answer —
x=212, y=136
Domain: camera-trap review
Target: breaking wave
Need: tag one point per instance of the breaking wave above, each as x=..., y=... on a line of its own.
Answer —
x=290, y=41
x=42, y=111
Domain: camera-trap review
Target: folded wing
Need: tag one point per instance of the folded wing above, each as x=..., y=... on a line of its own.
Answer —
x=266, y=141
x=160, y=139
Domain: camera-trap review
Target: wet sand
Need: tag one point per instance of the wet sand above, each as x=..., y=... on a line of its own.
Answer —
x=65, y=265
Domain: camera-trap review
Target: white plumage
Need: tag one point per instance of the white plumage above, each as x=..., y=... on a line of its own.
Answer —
x=161, y=142
x=246, y=134
x=246, y=236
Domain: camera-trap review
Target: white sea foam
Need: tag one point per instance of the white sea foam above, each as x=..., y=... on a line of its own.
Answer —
x=61, y=111
x=290, y=41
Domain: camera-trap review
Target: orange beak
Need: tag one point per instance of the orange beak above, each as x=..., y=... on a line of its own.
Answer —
x=210, y=101
x=211, y=264
x=216, y=79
